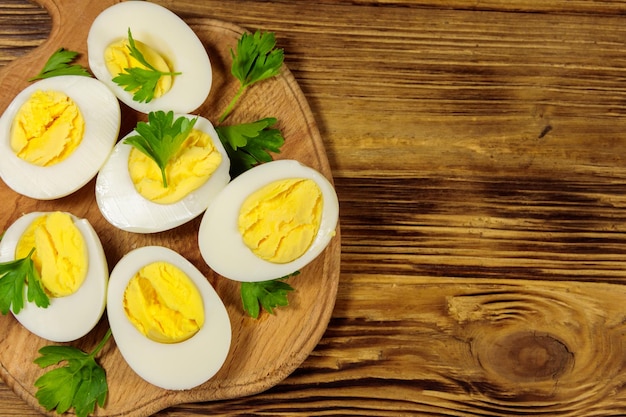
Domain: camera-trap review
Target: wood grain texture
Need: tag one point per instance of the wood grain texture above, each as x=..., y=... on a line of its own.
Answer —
x=478, y=154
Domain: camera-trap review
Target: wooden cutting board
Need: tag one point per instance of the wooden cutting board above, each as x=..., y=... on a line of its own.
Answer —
x=263, y=351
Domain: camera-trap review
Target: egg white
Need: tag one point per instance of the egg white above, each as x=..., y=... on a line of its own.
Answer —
x=71, y=317
x=126, y=209
x=101, y=113
x=221, y=244
x=168, y=34
x=174, y=366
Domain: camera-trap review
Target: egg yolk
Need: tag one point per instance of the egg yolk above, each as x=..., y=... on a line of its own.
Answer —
x=47, y=128
x=191, y=167
x=60, y=254
x=163, y=303
x=117, y=58
x=279, y=221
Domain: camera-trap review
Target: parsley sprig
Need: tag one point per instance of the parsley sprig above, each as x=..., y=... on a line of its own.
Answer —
x=60, y=63
x=247, y=144
x=161, y=138
x=266, y=294
x=80, y=384
x=13, y=276
x=142, y=81
x=256, y=59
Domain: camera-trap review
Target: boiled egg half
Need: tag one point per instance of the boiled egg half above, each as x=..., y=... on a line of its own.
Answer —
x=131, y=194
x=56, y=134
x=168, y=45
x=73, y=270
x=168, y=322
x=269, y=222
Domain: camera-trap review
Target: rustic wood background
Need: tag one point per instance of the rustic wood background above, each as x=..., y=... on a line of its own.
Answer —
x=478, y=151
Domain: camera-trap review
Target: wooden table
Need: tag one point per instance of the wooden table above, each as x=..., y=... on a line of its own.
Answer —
x=478, y=151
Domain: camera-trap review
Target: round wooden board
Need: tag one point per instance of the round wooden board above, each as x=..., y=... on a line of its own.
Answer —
x=263, y=351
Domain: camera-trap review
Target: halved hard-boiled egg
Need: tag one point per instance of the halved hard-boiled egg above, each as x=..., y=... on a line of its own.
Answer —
x=56, y=134
x=168, y=322
x=168, y=46
x=73, y=269
x=132, y=196
x=269, y=222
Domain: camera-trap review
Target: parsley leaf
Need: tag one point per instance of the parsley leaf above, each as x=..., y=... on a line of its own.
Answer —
x=161, y=138
x=143, y=81
x=248, y=144
x=81, y=383
x=266, y=294
x=256, y=59
x=59, y=64
x=13, y=276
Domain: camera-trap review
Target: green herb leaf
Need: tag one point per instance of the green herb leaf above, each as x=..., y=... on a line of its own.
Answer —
x=161, y=138
x=13, y=276
x=141, y=81
x=265, y=294
x=249, y=144
x=80, y=384
x=59, y=64
x=256, y=59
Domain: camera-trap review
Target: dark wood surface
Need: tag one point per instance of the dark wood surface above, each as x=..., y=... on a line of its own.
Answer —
x=478, y=151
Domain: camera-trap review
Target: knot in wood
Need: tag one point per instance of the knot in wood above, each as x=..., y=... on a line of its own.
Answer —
x=527, y=357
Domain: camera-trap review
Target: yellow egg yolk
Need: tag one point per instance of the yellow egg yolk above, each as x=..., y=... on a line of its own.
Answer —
x=280, y=221
x=47, y=128
x=117, y=58
x=191, y=167
x=163, y=303
x=60, y=254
